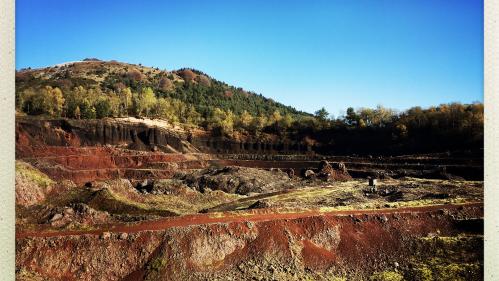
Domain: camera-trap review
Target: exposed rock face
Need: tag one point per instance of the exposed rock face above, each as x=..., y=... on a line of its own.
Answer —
x=236, y=180
x=360, y=244
x=336, y=171
x=222, y=145
x=77, y=215
x=70, y=132
x=138, y=136
x=97, y=141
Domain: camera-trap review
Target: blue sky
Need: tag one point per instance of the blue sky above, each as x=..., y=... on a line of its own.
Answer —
x=308, y=54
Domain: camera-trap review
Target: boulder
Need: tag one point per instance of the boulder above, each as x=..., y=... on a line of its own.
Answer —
x=260, y=204
x=309, y=174
x=334, y=171
x=105, y=235
x=56, y=217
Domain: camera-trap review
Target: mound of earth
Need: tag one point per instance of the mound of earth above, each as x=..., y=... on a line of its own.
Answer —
x=76, y=215
x=32, y=185
x=238, y=180
x=334, y=171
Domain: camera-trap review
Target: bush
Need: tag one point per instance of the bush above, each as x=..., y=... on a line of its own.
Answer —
x=386, y=276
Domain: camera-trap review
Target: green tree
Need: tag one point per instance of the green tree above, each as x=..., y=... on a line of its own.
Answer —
x=87, y=109
x=57, y=100
x=222, y=121
x=322, y=114
x=351, y=117
x=102, y=107
x=144, y=102
x=193, y=117
x=126, y=100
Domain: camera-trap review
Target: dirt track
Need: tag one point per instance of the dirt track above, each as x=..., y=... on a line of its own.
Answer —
x=254, y=216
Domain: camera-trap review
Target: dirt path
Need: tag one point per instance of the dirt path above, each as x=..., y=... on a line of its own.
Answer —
x=254, y=216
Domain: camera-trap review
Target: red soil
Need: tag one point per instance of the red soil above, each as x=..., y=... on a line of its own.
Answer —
x=252, y=216
x=359, y=240
x=82, y=164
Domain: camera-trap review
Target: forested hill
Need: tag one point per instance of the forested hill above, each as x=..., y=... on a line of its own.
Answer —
x=95, y=89
x=190, y=90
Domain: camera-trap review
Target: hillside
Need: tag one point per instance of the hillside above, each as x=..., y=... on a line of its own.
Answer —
x=189, y=86
x=190, y=99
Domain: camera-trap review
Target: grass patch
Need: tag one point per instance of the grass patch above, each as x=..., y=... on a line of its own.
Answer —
x=30, y=173
x=106, y=200
x=386, y=276
x=447, y=258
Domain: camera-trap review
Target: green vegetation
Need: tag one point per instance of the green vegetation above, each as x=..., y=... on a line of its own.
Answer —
x=117, y=198
x=27, y=171
x=97, y=89
x=154, y=268
x=386, y=276
x=455, y=258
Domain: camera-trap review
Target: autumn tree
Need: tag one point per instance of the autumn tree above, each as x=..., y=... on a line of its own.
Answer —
x=222, y=121
x=135, y=75
x=192, y=116
x=144, y=102
x=258, y=123
x=187, y=74
x=244, y=121
x=163, y=109
x=125, y=96
x=48, y=101
x=165, y=84
x=203, y=80
x=24, y=100
x=77, y=112
x=287, y=121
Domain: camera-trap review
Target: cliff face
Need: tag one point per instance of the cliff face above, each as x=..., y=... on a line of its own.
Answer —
x=140, y=136
x=86, y=150
x=225, y=146
x=66, y=132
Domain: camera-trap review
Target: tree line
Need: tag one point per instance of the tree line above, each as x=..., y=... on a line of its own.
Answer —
x=452, y=119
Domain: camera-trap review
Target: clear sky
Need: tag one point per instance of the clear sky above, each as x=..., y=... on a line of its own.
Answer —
x=308, y=54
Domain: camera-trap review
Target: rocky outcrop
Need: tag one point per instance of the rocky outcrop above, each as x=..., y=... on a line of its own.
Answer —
x=71, y=132
x=32, y=186
x=357, y=244
x=140, y=136
x=237, y=180
x=334, y=171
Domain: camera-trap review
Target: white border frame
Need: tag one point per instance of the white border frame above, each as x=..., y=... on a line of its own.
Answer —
x=7, y=115
x=7, y=157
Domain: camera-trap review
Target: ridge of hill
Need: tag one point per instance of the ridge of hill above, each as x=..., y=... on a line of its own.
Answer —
x=190, y=86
